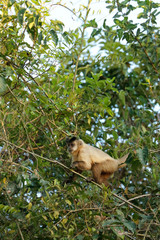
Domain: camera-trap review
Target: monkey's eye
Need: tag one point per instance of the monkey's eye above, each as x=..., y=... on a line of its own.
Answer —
x=72, y=144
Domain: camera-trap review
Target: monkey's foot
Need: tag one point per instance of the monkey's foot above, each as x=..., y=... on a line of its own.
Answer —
x=89, y=179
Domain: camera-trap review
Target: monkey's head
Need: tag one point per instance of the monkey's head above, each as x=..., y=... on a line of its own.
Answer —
x=74, y=144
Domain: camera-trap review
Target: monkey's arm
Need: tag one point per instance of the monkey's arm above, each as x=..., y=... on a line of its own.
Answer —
x=75, y=163
x=81, y=165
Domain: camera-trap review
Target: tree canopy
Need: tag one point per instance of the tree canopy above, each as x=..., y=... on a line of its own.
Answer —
x=53, y=85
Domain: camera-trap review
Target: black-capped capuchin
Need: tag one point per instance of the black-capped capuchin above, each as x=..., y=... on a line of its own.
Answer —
x=86, y=157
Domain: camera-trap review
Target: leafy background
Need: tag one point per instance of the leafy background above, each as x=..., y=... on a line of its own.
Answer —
x=53, y=85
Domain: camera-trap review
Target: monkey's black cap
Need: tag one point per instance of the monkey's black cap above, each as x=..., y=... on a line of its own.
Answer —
x=72, y=139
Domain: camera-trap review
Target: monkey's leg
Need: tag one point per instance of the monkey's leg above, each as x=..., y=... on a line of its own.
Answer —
x=100, y=174
x=104, y=177
x=96, y=171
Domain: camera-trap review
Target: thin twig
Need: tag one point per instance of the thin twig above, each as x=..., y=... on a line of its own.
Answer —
x=137, y=197
x=15, y=96
x=58, y=4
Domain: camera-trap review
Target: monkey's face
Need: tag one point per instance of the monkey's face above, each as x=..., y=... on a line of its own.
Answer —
x=72, y=147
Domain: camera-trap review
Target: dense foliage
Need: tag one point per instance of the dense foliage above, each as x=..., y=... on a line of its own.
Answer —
x=53, y=86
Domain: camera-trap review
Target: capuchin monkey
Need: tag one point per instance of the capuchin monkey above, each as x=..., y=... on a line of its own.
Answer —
x=86, y=157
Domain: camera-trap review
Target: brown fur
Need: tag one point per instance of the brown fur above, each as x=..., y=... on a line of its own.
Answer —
x=86, y=157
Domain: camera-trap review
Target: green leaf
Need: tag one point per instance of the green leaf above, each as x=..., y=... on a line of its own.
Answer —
x=138, y=31
x=140, y=155
x=120, y=33
x=120, y=214
x=68, y=202
x=110, y=112
x=21, y=15
x=143, y=155
x=95, y=32
x=91, y=23
x=31, y=25
x=140, y=15
x=45, y=218
x=36, y=19
x=122, y=96
x=35, y=2
x=13, y=1
x=131, y=26
x=80, y=237
x=105, y=26
x=40, y=37
x=144, y=129
x=115, y=135
x=54, y=36
x=126, y=36
x=56, y=214
x=110, y=222
x=118, y=231
x=66, y=36
x=45, y=41
x=106, y=101
x=129, y=158
x=117, y=15
x=97, y=76
x=60, y=25
x=131, y=189
x=118, y=22
x=130, y=225
x=3, y=85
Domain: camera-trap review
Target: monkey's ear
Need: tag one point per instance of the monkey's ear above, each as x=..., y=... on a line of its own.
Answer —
x=80, y=142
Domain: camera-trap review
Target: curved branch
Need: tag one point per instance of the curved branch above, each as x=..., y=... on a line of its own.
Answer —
x=58, y=4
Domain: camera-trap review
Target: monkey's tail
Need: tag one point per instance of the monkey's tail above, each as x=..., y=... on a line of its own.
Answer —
x=122, y=160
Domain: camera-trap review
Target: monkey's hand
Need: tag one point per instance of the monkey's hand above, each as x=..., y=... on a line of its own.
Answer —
x=74, y=164
x=90, y=179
